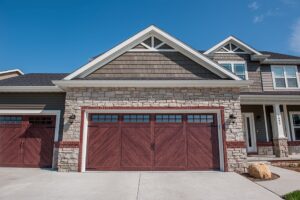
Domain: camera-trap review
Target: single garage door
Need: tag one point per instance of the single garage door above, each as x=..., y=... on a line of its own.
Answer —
x=26, y=141
x=152, y=142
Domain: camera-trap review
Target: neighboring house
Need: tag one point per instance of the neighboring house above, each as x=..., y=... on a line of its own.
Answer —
x=10, y=73
x=155, y=103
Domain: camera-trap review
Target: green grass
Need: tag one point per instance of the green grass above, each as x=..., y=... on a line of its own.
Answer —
x=293, y=195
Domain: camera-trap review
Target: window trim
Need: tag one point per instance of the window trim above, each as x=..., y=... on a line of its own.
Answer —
x=232, y=62
x=285, y=77
x=292, y=124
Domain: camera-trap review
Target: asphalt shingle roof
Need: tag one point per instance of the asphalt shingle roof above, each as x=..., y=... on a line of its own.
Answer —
x=34, y=79
x=274, y=55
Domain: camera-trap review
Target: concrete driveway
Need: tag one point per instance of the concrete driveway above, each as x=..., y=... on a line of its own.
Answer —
x=37, y=184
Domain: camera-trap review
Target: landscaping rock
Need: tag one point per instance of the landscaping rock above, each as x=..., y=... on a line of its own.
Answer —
x=260, y=170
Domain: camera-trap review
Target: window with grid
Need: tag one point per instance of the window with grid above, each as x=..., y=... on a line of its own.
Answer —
x=169, y=118
x=136, y=118
x=285, y=76
x=104, y=118
x=10, y=120
x=237, y=68
x=201, y=118
x=40, y=120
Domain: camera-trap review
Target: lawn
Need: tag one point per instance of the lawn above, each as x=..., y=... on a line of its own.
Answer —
x=293, y=195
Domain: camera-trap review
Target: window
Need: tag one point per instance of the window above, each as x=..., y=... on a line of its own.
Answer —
x=200, y=118
x=296, y=125
x=104, y=118
x=238, y=68
x=10, y=120
x=40, y=120
x=169, y=118
x=285, y=76
x=137, y=118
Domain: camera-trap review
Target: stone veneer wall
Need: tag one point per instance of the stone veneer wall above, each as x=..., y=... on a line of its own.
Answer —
x=265, y=150
x=294, y=150
x=147, y=97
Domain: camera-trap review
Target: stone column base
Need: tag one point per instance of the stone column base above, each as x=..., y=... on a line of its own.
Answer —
x=281, y=147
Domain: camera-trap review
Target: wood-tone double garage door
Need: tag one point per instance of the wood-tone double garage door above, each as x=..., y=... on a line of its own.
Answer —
x=152, y=142
x=26, y=141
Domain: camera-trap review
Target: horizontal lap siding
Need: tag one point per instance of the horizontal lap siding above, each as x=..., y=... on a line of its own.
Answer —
x=32, y=101
x=144, y=65
x=253, y=69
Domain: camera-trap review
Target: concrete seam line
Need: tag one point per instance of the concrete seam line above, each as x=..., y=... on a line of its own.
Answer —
x=138, y=189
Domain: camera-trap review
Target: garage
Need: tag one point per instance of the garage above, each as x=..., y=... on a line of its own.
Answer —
x=152, y=142
x=26, y=140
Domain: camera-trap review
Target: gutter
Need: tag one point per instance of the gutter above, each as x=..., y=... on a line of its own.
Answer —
x=30, y=89
x=269, y=99
x=152, y=83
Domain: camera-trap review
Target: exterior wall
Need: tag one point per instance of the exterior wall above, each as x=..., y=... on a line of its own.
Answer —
x=259, y=120
x=265, y=150
x=252, y=67
x=156, y=97
x=267, y=79
x=152, y=65
x=294, y=150
x=36, y=101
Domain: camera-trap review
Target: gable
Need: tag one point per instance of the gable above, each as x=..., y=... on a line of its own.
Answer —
x=151, y=66
x=135, y=43
x=232, y=45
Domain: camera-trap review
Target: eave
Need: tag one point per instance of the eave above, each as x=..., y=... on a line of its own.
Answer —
x=270, y=99
x=30, y=89
x=152, y=83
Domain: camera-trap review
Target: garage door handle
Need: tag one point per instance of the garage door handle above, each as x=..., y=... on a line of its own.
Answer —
x=152, y=146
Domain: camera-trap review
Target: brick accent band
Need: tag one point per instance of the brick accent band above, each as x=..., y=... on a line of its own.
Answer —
x=293, y=143
x=236, y=144
x=67, y=144
x=263, y=144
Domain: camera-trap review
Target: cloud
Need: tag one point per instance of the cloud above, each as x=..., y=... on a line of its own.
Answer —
x=289, y=2
x=295, y=37
x=258, y=19
x=253, y=6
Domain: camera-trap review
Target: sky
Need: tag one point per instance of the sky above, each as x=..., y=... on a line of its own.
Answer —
x=54, y=36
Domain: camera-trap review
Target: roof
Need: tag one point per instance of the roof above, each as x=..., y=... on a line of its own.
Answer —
x=11, y=71
x=274, y=55
x=33, y=79
x=103, y=59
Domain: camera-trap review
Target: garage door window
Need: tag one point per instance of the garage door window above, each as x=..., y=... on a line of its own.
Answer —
x=169, y=118
x=10, y=120
x=104, y=118
x=200, y=118
x=40, y=120
x=137, y=118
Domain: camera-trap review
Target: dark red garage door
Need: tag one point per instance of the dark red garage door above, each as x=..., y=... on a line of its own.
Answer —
x=26, y=141
x=152, y=142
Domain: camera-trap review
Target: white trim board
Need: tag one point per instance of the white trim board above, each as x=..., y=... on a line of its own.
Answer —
x=140, y=37
x=13, y=70
x=152, y=83
x=235, y=40
x=270, y=99
x=30, y=89
x=87, y=112
x=39, y=112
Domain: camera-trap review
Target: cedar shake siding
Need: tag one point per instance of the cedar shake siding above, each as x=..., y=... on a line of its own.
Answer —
x=252, y=67
x=32, y=101
x=153, y=65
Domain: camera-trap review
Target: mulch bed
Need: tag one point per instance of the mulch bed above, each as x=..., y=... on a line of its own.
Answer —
x=296, y=169
x=247, y=175
x=290, y=165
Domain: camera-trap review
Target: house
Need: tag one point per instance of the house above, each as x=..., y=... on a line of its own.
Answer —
x=10, y=73
x=155, y=103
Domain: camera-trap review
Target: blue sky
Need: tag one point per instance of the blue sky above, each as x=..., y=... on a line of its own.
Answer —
x=61, y=35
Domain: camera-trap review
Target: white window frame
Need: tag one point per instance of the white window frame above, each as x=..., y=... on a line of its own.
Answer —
x=285, y=77
x=292, y=124
x=232, y=63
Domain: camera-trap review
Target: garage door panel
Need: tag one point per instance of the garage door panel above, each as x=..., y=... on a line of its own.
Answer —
x=136, y=146
x=38, y=146
x=170, y=149
x=202, y=147
x=104, y=147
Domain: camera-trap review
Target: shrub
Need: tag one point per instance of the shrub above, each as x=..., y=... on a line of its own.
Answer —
x=293, y=195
